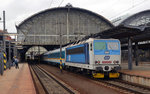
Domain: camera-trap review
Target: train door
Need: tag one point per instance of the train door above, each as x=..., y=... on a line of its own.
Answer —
x=91, y=54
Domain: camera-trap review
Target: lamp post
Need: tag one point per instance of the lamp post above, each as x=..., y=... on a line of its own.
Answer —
x=4, y=43
x=2, y=49
x=60, y=42
x=60, y=50
x=3, y=33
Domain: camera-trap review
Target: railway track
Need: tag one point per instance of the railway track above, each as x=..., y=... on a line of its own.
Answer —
x=119, y=85
x=50, y=83
x=125, y=87
x=122, y=86
x=133, y=88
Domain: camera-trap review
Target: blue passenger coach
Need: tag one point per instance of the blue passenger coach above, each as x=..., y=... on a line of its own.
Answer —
x=53, y=56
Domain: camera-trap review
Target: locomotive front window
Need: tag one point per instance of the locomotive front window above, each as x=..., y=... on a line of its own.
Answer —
x=112, y=46
x=100, y=46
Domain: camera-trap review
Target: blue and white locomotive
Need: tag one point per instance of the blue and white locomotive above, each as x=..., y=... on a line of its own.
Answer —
x=100, y=57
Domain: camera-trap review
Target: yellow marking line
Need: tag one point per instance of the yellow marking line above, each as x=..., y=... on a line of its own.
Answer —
x=54, y=58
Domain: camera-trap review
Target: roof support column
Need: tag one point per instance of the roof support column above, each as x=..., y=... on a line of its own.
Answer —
x=68, y=25
x=136, y=53
x=1, y=62
x=4, y=31
x=129, y=53
x=14, y=50
x=9, y=54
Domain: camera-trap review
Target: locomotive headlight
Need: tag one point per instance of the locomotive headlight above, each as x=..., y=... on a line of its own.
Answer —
x=115, y=62
x=97, y=62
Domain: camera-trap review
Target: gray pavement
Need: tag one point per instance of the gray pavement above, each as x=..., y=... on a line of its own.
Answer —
x=142, y=66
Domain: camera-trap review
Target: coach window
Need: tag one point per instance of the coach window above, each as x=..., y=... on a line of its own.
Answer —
x=91, y=46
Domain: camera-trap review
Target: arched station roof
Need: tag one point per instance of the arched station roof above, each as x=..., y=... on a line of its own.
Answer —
x=136, y=26
x=140, y=20
x=74, y=23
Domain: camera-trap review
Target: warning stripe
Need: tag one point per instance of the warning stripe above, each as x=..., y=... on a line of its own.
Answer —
x=4, y=55
x=5, y=60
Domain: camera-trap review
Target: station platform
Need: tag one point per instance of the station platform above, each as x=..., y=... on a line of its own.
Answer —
x=17, y=81
x=143, y=69
x=139, y=74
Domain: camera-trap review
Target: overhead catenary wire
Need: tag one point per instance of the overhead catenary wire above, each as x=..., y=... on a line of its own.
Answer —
x=61, y=3
x=133, y=6
x=51, y=3
x=105, y=10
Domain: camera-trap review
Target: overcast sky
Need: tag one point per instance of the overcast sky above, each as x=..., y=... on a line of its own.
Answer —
x=18, y=10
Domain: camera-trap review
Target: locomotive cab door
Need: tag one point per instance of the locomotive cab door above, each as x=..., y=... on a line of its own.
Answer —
x=91, y=54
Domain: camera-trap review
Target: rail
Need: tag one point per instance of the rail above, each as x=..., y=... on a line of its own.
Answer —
x=50, y=83
x=127, y=86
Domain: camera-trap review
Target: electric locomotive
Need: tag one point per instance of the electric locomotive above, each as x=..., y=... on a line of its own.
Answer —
x=102, y=57
x=99, y=57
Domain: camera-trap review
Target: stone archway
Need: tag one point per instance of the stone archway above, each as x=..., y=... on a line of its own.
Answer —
x=34, y=51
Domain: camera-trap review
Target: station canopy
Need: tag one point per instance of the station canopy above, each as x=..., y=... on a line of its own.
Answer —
x=45, y=27
x=136, y=26
x=139, y=20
